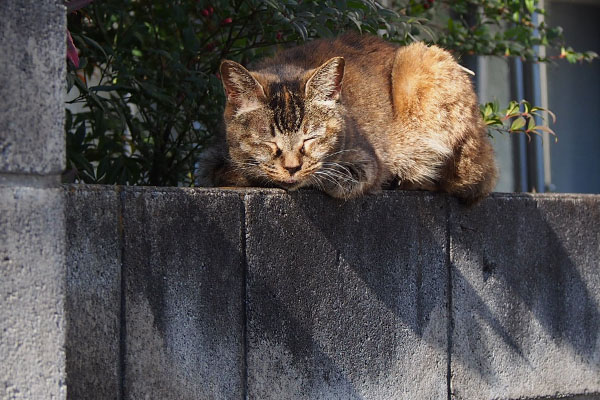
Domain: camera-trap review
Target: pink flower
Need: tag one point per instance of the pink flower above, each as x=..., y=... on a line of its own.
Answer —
x=226, y=21
x=72, y=51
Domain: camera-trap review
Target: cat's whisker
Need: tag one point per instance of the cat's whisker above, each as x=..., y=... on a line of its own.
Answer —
x=339, y=152
x=343, y=179
x=344, y=168
x=314, y=181
x=319, y=183
x=340, y=174
x=338, y=178
x=327, y=177
x=330, y=179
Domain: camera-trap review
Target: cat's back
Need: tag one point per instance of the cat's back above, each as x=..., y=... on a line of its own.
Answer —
x=362, y=53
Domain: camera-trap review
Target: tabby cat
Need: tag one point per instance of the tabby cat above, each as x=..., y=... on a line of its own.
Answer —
x=352, y=115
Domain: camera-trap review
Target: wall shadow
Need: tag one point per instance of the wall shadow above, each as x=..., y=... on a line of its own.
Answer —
x=365, y=281
x=526, y=291
x=368, y=280
x=183, y=288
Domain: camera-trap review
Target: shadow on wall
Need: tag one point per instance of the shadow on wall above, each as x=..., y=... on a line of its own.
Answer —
x=351, y=294
x=178, y=309
x=366, y=284
x=182, y=265
x=526, y=293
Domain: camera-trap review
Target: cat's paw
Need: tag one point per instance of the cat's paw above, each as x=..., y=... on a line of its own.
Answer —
x=345, y=180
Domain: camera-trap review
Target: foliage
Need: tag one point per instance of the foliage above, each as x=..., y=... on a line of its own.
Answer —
x=518, y=117
x=148, y=96
x=492, y=27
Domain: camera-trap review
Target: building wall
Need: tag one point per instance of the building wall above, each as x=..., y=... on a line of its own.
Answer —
x=574, y=95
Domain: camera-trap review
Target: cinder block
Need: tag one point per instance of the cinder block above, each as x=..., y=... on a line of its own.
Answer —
x=32, y=290
x=346, y=300
x=93, y=302
x=183, y=265
x=526, y=297
x=32, y=84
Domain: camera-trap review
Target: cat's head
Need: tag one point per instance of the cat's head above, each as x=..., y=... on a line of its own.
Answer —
x=281, y=131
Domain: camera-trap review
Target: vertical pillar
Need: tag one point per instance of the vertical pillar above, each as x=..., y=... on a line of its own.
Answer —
x=517, y=92
x=32, y=227
x=535, y=147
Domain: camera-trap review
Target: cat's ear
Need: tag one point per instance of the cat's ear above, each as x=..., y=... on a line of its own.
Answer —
x=325, y=83
x=241, y=88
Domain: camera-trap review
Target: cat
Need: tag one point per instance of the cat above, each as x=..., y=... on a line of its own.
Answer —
x=352, y=115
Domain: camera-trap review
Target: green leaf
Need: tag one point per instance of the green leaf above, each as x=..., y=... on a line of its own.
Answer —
x=323, y=31
x=301, y=29
x=356, y=22
x=517, y=124
x=109, y=88
x=103, y=167
x=531, y=124
x=156, y=93
x=530, y=5
x=487, y=111
x=79, y=136
x=95, y=44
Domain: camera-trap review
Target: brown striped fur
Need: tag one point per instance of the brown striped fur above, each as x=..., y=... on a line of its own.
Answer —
x=353, y=114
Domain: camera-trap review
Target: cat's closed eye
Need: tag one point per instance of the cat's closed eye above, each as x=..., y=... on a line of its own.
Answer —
x=275, y=150
x=307, y=143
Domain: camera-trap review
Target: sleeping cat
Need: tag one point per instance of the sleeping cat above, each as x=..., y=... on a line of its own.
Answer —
x=352, y=115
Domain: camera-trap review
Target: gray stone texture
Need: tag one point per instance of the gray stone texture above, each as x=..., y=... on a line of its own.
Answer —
x=183, y=271
x=32, y=79
x=346, y=300
x=32, y=290
x=526, y=297
x=93, y=303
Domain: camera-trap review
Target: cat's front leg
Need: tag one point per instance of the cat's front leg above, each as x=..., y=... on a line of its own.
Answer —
x=215, y=170
x=346, y=179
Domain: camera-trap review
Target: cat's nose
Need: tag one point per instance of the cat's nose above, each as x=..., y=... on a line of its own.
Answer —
x=291, y=162
x=293, y=169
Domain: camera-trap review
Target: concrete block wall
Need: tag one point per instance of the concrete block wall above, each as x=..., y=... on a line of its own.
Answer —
x=262, y=294
x=32, y=224
x=155, y=295
x=526, y=297
x=32, y=79
x=346, y=300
